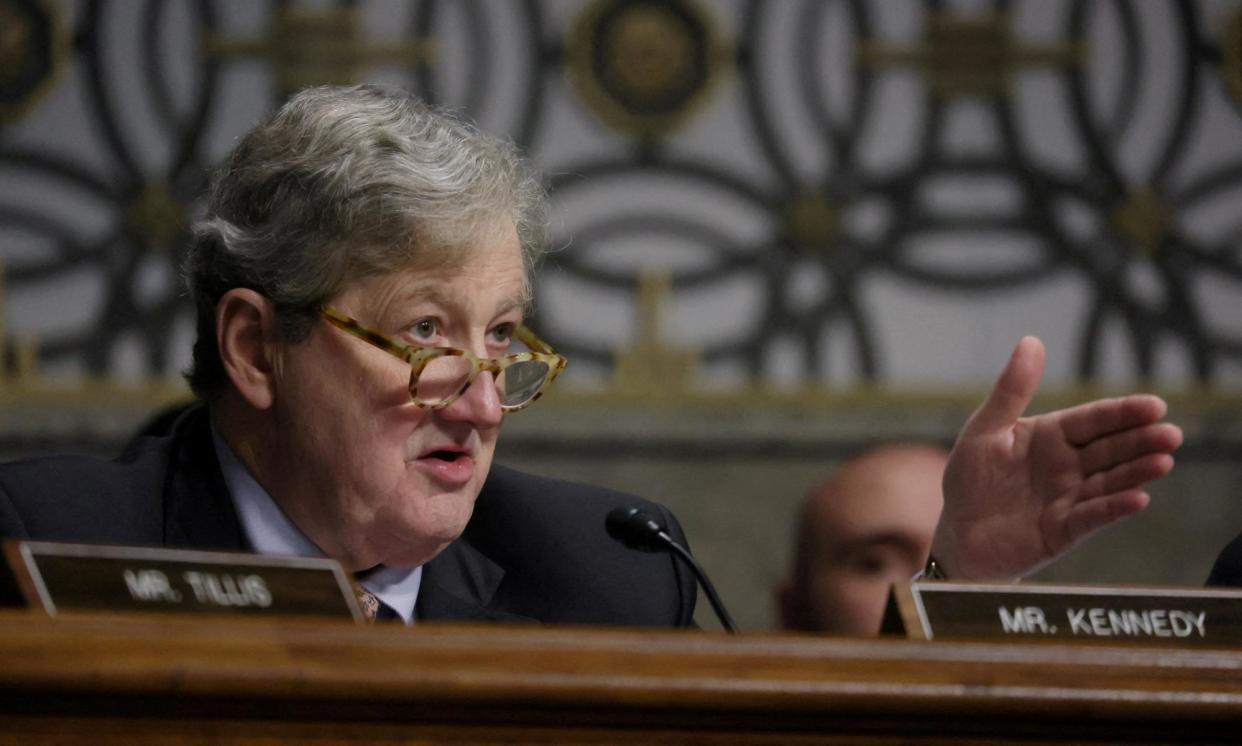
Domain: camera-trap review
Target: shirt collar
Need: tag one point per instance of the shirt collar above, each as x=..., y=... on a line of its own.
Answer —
x=271, y=532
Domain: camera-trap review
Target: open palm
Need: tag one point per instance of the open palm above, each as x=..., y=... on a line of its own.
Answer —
x=1020, y=491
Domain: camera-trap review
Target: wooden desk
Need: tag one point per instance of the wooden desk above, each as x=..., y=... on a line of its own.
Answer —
x=145, y=679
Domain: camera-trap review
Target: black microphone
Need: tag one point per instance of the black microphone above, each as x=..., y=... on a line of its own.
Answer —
x=638, y=529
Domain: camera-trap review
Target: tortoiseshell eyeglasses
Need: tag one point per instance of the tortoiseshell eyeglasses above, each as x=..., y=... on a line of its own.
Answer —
x=439, y=375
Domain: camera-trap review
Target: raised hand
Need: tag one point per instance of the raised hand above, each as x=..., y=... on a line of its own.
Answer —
x=1020, y=491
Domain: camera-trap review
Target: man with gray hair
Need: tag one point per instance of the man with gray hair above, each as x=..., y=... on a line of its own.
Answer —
x=361, y=279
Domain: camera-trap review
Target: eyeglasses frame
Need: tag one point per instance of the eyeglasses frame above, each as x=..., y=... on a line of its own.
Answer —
x=419, y=357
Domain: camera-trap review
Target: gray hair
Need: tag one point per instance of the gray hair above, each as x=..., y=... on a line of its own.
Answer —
x=345, y=183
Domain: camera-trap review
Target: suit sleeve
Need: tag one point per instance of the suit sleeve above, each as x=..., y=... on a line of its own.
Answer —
x=11, y=525
x=1228, y=568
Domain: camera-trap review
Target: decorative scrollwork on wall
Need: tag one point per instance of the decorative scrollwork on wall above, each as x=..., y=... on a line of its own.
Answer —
x=832, y=192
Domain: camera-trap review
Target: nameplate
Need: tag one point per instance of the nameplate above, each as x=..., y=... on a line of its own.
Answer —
x=60, y=578
x=1141, y=615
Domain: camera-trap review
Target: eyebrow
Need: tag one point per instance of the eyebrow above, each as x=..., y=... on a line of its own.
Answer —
x=431, y=293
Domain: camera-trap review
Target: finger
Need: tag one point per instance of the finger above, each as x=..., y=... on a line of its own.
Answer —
x=1111, y=450
x=1090, y=516
x=1126, y=476
x=1013, y=391
x=1086, y=422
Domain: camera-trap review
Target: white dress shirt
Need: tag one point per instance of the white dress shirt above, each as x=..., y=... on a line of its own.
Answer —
x=271, y=532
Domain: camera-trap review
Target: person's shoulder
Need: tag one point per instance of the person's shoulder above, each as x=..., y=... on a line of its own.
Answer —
x=517, y=489
x=522, y=514
x=1227, y=570
x=561, y=566
x=37, y=476
x=512, y=497
x=86, y=498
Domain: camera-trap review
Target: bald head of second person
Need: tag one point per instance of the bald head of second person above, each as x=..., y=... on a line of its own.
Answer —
x=868, y=526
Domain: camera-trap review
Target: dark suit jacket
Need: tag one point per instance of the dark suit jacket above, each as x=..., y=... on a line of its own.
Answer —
x=1228, y=567
x=535, y=549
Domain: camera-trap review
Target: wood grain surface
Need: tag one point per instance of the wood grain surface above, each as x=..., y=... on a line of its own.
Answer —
x=148, y=679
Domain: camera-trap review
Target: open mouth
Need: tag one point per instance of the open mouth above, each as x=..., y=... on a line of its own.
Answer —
x=451, y=467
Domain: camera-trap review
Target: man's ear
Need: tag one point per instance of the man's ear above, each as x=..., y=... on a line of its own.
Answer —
x=245, y=335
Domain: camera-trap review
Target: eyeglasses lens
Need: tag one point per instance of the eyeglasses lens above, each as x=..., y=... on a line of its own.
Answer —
x=443, y=377
x=520, y=382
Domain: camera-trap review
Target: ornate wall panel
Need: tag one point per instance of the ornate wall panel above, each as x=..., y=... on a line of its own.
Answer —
x=808, y=201
x=804, y=192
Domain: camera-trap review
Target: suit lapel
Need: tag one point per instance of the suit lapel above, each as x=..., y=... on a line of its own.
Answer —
x=459, y=584
x=198, y=511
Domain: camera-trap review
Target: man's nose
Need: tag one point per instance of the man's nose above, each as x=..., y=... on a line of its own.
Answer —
x=479, y=404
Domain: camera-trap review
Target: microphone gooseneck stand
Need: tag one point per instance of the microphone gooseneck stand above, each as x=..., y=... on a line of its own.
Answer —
x=639, y=530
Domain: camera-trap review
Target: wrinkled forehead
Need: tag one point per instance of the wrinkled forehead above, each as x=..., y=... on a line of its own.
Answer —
x=494, y=244
x=486, y=277
x=898, y=499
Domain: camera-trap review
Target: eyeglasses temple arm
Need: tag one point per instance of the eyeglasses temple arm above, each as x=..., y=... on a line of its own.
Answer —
x=351, y=326
x=528, y=338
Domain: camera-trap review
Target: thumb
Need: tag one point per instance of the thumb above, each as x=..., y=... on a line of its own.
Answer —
x=1013, y=391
